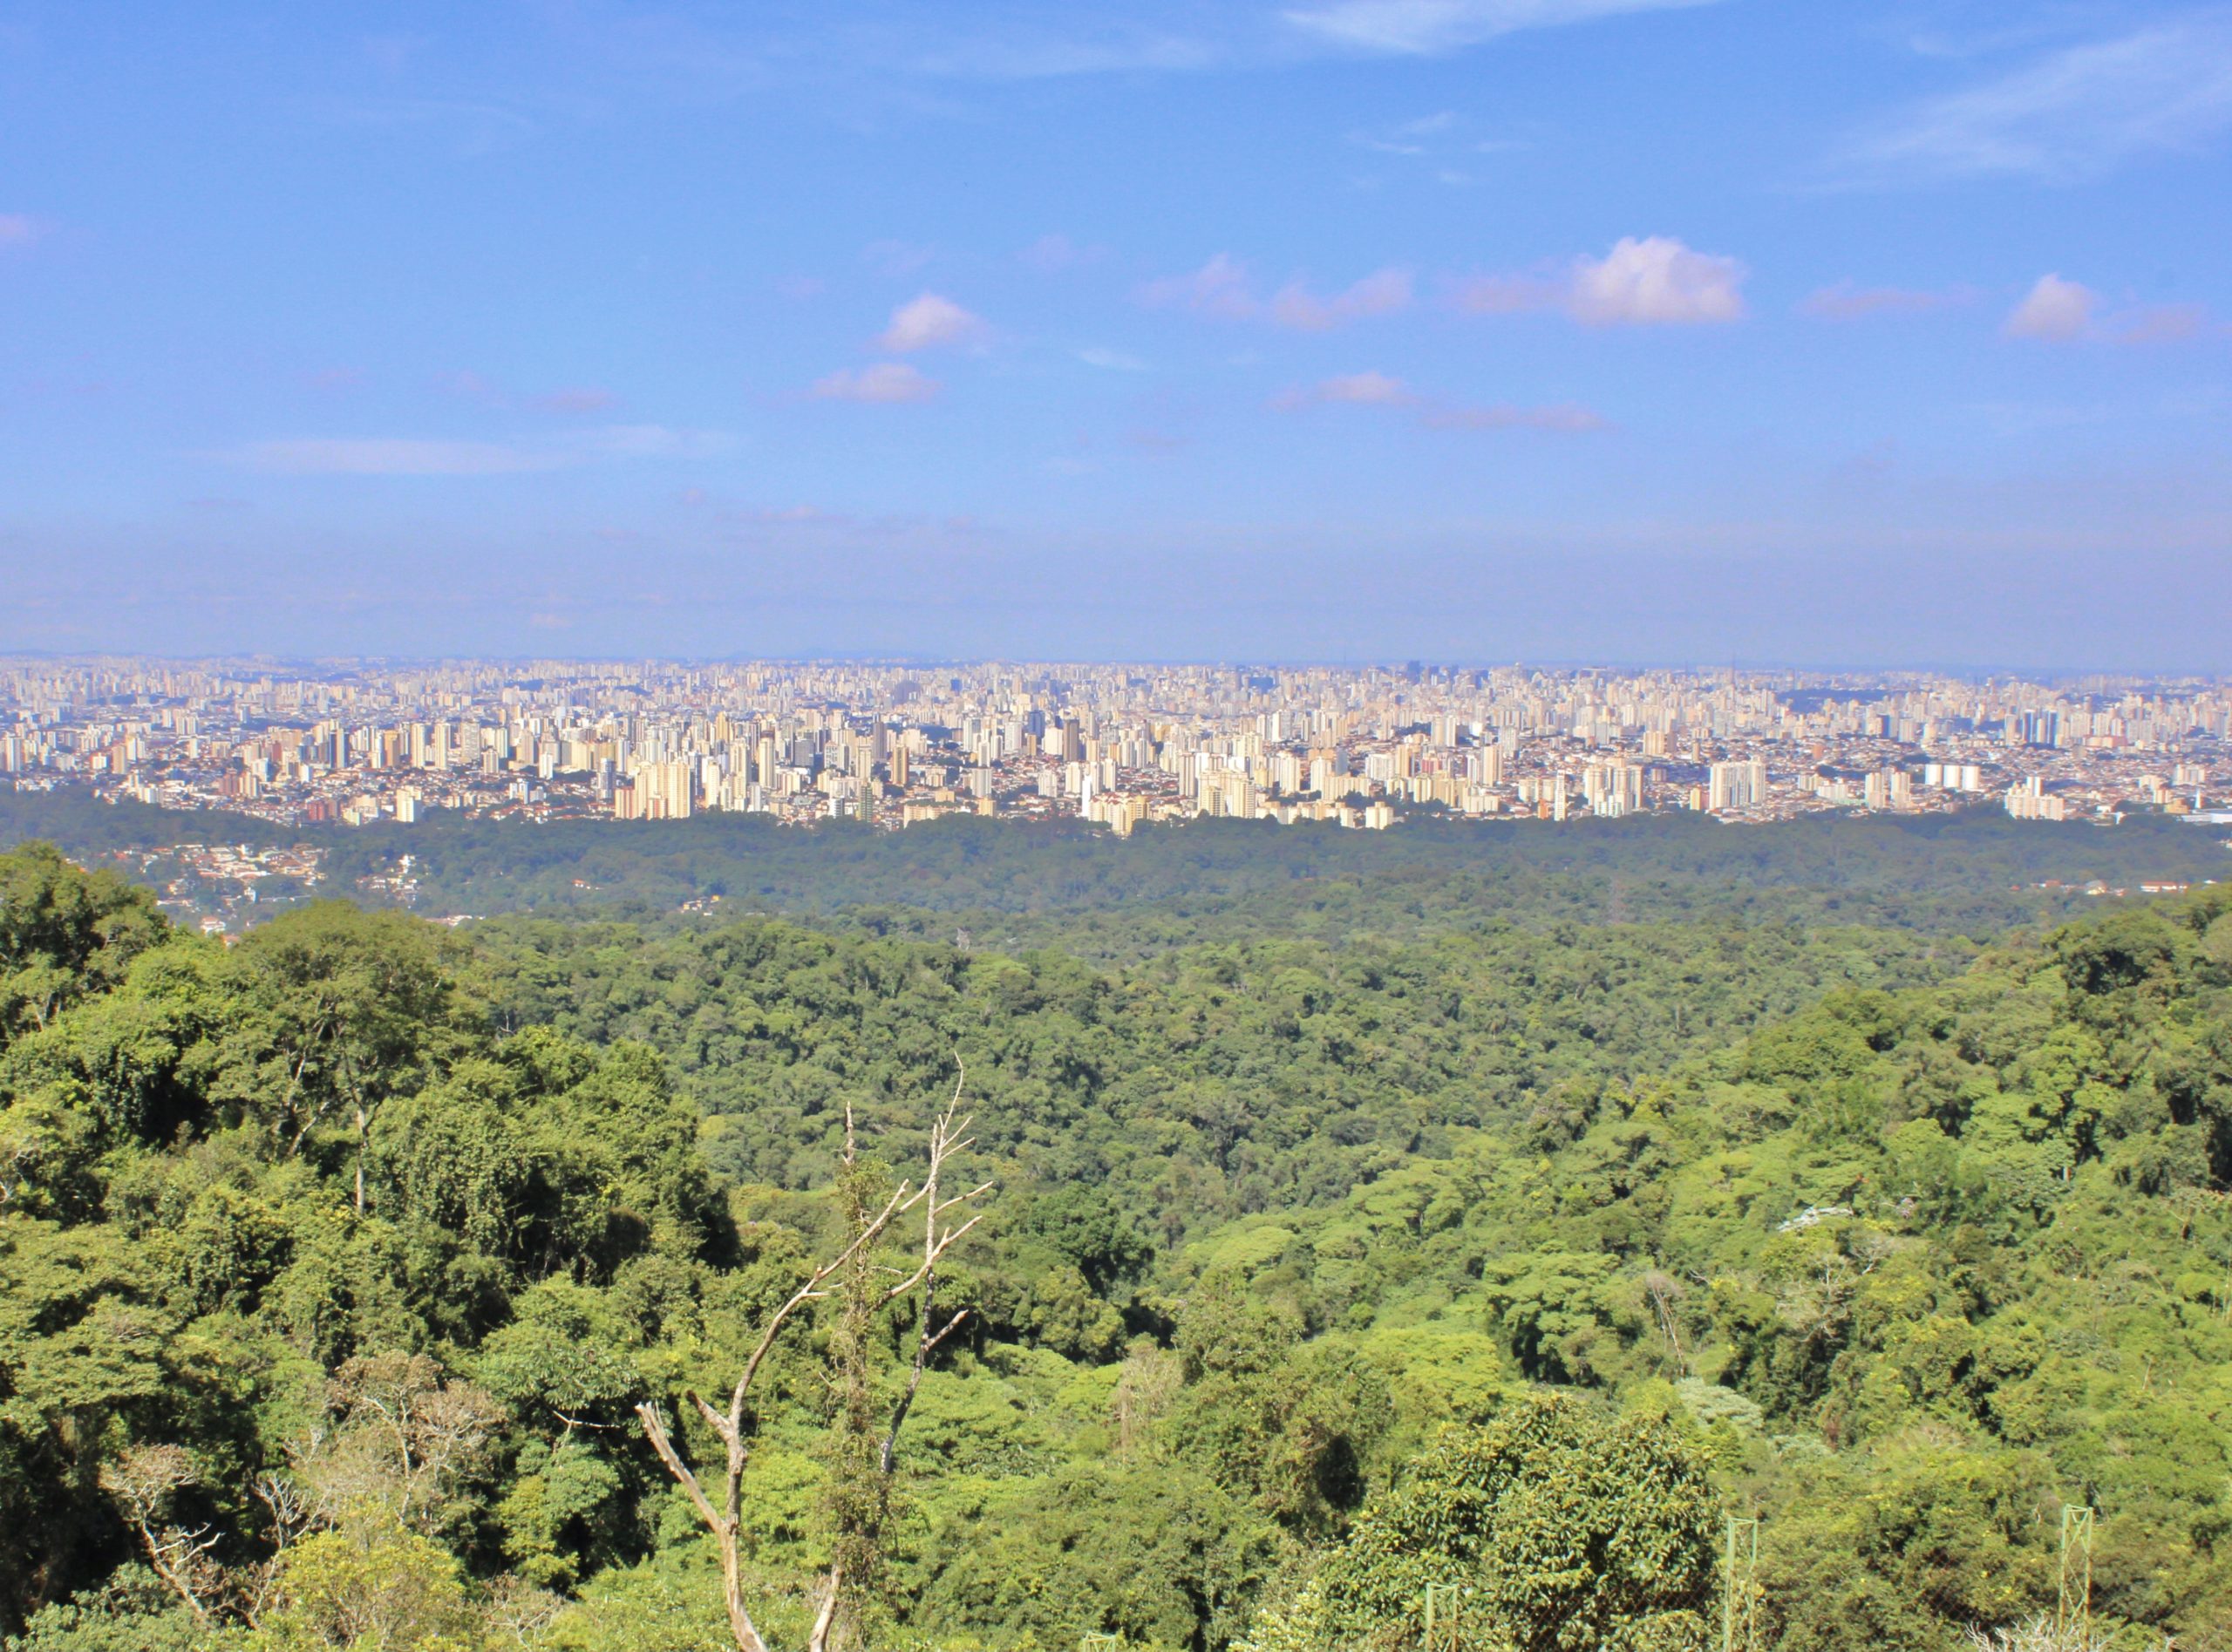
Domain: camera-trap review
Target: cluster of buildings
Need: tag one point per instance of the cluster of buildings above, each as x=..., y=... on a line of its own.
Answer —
x=355, y=742
x=220, y=887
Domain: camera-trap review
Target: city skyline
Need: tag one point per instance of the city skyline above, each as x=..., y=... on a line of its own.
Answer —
x=1574, y=330
x=895, y=744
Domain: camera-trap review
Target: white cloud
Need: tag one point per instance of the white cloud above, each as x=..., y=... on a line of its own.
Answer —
x=1219, y=288
x=2061, y=312
x=19, y=229
x=930, y=321
x=1113, y=361
x=2073, y=114
x=1423, y=27
x=884, y=382
x=2055, y=309
x=1655, y=281
x=1652, y=281
x=1381, y=293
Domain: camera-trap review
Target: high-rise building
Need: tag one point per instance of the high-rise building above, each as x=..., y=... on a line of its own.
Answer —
x=1736, y=785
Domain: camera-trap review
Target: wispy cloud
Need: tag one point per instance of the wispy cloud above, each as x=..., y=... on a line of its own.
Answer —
x=1564, y=417
x=1378, y=390
x=1219, y=288
x=1113, y=361
x=889, y=383
x=19, y=229
x=577, y=398
x=1651, y=281
x=1223, y=288
x=1447, y=145
x=2073, y=114
x=1427, y=28
x=421, y=456
x=1847, y=301
x=2059, y=311
x=2165, y=324
x=1019, y=42
x=930, y=321
x=1419, y=137
x=1381, y=293
x=1369, y=389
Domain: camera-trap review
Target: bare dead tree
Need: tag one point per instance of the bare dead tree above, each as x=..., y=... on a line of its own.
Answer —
x=294, y=1514
x=865, y=1465
x=412, y=1435
x=143, y=1480
x=941, y=1229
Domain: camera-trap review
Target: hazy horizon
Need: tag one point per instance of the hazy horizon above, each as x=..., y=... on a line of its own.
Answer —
x=1344, y=329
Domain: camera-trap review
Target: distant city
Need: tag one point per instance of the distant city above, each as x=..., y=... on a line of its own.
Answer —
x=1118, y=746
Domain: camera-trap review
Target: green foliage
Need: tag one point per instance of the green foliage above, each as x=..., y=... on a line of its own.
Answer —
x=63, y=933
x=1065, y=885
x=130, y=1612
x=1551, y=1528
x=370, y=1239
x=1159, y=1555
x=395, y=1591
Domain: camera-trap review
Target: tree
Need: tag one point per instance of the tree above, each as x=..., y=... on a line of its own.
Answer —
x=864, y=1464
x=62, y=931
x=1553, y=1528
x=374, y=1588
x=144, y=1481
x=341, y=1009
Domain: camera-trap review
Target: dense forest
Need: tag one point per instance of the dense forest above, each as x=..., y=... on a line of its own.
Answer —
x=364, y=1284
x=1019, y=885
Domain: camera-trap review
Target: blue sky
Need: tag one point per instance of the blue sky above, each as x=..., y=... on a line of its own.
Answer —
x=1480, y=330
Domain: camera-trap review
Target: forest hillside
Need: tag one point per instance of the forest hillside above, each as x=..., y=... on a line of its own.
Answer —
x=357, y=1280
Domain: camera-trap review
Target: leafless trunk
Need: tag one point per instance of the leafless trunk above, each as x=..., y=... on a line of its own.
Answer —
x=143, y=1481
x=946, y=1139
x=726, y=1521
x=817, y=1639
